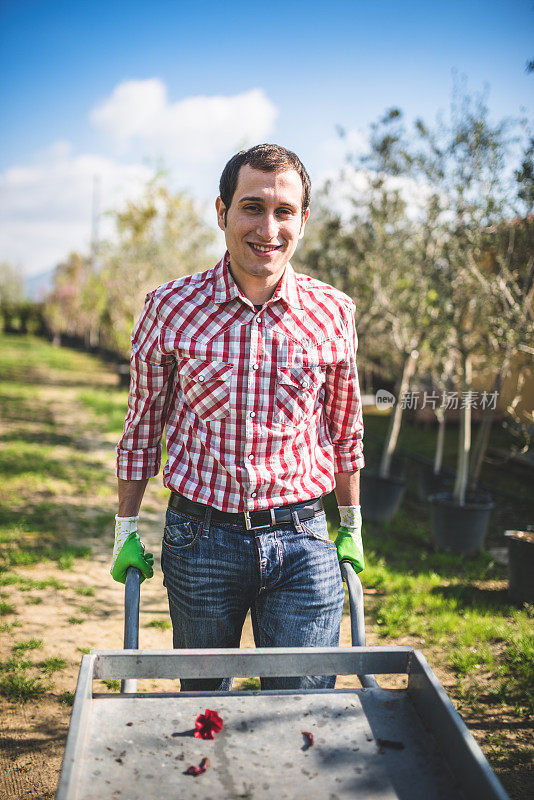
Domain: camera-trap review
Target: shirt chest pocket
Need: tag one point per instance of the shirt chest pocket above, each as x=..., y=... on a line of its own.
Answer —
x=297, y=393
x=206, y=387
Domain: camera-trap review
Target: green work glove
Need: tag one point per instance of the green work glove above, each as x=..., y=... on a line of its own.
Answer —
x=129, y=551
x=349, y=537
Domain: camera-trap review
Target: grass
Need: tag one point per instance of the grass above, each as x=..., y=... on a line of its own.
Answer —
x=113, y=685
x=455, y=604
x=15, y=664
x=251, y=684
x=27, y=549
x=18, y=687
x=46, y=474
x=26, y=584
x=107, y=406
x=7, y=627
x=28, y=644
x=457, y=610
x=53, y=664
x=85, y=591
x=15, y=684
x=162, y=624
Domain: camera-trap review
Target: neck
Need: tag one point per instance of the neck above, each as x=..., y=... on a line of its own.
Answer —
x=259, y=290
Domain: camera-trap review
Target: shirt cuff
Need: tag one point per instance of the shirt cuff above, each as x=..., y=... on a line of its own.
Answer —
x=348, y=461
x=138, y=465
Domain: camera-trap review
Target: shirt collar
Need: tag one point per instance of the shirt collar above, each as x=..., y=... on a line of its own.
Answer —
x=225, y=288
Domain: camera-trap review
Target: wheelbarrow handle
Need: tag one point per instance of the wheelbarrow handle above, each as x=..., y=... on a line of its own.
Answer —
x=131, y=620
x=131, y=608
x=357, y=617
x=131, y=617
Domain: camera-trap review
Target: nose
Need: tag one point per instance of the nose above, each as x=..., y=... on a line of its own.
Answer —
x=267, y=227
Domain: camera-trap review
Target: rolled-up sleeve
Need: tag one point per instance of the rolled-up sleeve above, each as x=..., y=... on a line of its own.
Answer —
x=151, y=384
x=343, y=405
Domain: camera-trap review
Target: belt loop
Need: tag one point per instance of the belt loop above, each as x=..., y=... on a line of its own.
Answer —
x=296, y=520
x=206, y=522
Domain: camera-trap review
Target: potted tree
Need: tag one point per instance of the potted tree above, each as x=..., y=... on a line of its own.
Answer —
x=396, y=261
x=466, y=161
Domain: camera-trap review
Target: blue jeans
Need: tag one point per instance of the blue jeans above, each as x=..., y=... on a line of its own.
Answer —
x=287, y=575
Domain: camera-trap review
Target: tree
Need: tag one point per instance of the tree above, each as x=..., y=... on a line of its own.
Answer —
x=466, y=159
x=508, y=280
x=382, y=256
x=64, y=312
x=159, y=238
x=420, y=255
x=11, y=293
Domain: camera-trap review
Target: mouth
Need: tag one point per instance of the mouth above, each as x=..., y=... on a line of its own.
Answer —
x=263, y=249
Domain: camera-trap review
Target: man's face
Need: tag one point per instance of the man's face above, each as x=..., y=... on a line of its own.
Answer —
x=264, y=222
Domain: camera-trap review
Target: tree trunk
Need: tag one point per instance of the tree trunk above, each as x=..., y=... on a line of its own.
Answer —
x=464, y=442
x=482, y=440
x=438, y=457
x=396, y=417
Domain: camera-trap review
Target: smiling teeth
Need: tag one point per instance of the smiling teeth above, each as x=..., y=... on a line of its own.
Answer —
x=263, y=249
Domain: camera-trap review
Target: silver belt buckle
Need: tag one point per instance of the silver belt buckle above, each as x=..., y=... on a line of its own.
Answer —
x=250, y=527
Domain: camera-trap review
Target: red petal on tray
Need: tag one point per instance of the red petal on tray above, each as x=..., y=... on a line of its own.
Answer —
x=309, y=739
x=207, y=725
x=200, y=770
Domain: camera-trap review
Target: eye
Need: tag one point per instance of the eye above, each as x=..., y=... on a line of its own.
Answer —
x=252, y=207
x=285, y=212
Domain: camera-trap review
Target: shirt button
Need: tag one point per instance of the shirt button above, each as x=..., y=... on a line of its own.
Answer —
x=258, y=319
x=251, y=457
x=255, y=366
x=200, y=379
x=252, y=413
x=254, y=494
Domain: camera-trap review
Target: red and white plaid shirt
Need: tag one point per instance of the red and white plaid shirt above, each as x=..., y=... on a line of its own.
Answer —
x=261, y=408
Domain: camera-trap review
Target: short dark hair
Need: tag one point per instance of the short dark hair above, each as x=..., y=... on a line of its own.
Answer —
x=267, y=158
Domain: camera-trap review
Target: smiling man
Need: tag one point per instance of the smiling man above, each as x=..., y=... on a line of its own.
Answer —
x=251, y=369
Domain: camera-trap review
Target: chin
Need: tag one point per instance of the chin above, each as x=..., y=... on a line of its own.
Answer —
x=265, y=268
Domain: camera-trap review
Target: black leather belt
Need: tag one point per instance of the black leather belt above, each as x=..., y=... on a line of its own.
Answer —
x=250, y=520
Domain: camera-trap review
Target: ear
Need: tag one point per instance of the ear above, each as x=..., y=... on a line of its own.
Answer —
x=304, y=221
x=221, y=214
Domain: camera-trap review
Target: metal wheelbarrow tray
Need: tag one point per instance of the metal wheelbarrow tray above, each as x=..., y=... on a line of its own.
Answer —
x=368, y=742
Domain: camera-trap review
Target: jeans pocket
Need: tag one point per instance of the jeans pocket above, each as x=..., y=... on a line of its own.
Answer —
x=317, y=528
x=180, y=533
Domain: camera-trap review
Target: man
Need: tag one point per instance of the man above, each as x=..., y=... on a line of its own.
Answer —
x=251, y=368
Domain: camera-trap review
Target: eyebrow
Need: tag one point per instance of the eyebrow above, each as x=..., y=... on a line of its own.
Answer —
x=250, y=198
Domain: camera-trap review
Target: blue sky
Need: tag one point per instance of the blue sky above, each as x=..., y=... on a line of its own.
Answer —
x=286, y=72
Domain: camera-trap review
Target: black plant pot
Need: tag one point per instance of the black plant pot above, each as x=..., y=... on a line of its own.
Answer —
x=459, y=529
x=380, y=497
x=430, y=483
x=520, y=566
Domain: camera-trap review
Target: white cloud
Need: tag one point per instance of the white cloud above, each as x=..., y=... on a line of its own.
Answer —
x=138, y=116
x=46, y=207
x=349, y=184
x=354, y=142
